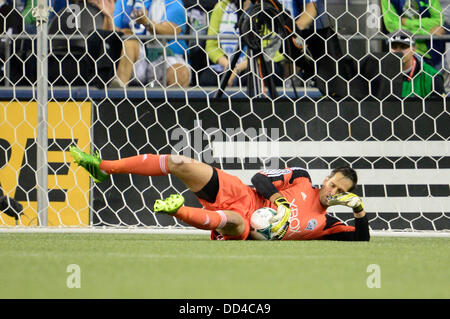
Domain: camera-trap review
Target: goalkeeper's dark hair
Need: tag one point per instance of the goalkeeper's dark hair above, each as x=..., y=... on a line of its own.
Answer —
x=347, y=172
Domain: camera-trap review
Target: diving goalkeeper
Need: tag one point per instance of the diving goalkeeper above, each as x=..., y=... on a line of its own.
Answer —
x=228, y=203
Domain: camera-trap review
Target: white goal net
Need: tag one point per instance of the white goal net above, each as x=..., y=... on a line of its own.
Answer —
x=240, y=85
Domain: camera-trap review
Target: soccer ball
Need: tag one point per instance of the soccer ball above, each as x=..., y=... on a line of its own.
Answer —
x=260, y=223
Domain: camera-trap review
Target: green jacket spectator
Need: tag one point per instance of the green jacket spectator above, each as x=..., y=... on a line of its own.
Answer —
x=426, y=79
x=419, y=78
x=420, y=18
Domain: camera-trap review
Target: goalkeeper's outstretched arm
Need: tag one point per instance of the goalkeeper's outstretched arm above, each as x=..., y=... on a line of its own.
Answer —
x=361, y=232
x=361, y=227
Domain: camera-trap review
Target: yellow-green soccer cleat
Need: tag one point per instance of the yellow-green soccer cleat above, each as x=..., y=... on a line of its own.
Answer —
x=91, y=163
x=170, y=205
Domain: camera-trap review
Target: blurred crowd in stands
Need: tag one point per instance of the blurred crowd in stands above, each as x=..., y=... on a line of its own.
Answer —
x=112, y=43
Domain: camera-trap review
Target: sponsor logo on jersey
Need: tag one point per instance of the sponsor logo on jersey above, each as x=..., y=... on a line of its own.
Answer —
x=304, y=196
x=312, y=223
x=294, y=221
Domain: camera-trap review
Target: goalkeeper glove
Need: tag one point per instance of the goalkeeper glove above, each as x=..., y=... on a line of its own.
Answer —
x=280, y=233
x=347, y=199
x=281, y=220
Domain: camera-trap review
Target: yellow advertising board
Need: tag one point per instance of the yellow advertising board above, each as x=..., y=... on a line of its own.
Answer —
x=68, y=123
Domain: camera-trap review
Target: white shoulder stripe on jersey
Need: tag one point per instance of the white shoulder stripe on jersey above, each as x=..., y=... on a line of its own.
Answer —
x=279, y=172
x=275, y=172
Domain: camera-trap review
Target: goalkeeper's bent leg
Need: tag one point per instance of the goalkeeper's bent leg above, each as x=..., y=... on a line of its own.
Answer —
x=226, y=222
x=197, y=217
x=202, y=218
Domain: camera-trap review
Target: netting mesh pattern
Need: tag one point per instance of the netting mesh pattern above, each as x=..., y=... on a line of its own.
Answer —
x=312, y=84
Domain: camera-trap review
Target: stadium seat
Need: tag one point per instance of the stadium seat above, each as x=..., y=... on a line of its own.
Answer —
x=78, y=61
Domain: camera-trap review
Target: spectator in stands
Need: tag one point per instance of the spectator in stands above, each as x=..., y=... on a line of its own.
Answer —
x=223, y=21
x=154, y=60
x=314, y=25
x=446, y=67
x=419, y=78
x=107, y=8
x=420, y=17
x=320, y=39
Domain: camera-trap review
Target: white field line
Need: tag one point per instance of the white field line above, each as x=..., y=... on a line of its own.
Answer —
x=188, y=231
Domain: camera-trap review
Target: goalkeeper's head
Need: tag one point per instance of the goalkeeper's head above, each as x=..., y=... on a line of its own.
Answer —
x=341, y=179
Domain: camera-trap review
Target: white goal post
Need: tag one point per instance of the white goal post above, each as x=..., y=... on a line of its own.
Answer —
x=58, y=88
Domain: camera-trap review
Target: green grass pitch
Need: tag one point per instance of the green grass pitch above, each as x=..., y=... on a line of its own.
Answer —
x=34, y=265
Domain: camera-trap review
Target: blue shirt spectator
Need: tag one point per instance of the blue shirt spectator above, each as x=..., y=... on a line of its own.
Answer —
x=174, y=12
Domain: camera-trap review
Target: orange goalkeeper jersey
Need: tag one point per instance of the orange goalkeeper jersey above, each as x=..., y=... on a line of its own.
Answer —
x=309, y=219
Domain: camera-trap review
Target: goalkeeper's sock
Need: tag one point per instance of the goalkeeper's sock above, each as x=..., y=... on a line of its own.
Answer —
x=146, y=164
x=202, y=218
